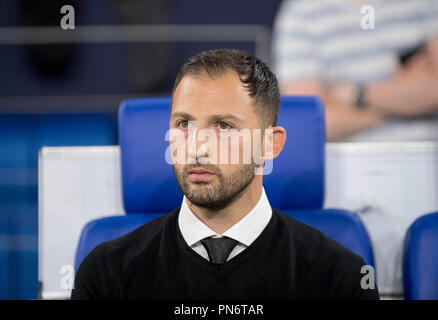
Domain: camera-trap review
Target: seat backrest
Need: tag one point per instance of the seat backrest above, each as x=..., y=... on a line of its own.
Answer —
x=105, y=229
x=420, y=259
x=342, y=226
x=148, y=181
x=297, y=178
x=149, y=184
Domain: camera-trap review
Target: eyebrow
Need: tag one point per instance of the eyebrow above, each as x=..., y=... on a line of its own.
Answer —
x=212, y=117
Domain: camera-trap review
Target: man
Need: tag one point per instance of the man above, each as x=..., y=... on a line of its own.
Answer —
x=225, y=241
x=373, y=62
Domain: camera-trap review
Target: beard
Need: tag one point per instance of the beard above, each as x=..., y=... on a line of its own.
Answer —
x=214, y=195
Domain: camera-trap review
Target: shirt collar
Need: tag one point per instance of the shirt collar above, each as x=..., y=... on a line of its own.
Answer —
x=245, y=231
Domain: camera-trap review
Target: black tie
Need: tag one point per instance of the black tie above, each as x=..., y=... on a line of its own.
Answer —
x=218, y=249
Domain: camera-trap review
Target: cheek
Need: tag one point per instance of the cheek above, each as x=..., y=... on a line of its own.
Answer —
x=177, y=149
x=236, y=148
x=179, y=169
x=222, y=170
x=239, y=147
x=228, y=170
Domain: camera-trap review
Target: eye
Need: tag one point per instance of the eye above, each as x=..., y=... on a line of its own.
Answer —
x=224, y=126
x=183, y=124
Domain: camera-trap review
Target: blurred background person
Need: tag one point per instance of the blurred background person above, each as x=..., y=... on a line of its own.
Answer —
x=377, y=83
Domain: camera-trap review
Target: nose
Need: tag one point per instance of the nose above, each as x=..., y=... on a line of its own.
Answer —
x=197, y=150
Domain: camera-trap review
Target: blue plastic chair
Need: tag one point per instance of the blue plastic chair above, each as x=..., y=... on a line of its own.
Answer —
x=420, y=259
x=295, y=186
x=343, y=226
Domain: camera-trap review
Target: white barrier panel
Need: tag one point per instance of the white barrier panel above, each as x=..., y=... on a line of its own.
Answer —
x=388, y=184
x=76, y=185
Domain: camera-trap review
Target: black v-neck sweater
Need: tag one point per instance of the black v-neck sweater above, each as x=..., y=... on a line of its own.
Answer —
x=289, y=260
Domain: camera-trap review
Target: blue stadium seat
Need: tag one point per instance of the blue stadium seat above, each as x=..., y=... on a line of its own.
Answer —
x=343, y=226
x=100, y=230
x=295, y=186
x=420, y=259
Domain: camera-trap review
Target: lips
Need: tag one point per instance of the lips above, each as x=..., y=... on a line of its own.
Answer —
x=199, y=171
x=200, y=174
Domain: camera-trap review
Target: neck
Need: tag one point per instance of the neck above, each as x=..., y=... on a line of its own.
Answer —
x=221, y=220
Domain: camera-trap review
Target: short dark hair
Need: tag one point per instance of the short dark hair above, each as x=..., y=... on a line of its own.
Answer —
x=255, y=75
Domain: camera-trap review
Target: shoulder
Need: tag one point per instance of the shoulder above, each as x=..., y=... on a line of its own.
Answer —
x=95, y=278
x=338, y=269
x=302, y=233
x=309, y=239
x=119, y=253
x=141, y=239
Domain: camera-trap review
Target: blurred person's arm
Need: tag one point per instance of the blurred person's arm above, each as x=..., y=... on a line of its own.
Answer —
x=412, y=91
x=343, y=118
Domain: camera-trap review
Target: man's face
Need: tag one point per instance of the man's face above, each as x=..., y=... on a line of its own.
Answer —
x=220, y=105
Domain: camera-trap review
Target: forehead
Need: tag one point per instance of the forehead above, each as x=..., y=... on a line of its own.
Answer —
x=203, y=95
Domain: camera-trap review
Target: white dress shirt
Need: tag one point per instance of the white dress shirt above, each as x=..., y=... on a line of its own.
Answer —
x=245, y=231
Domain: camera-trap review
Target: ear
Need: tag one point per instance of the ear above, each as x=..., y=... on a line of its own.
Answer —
x=275, y=139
